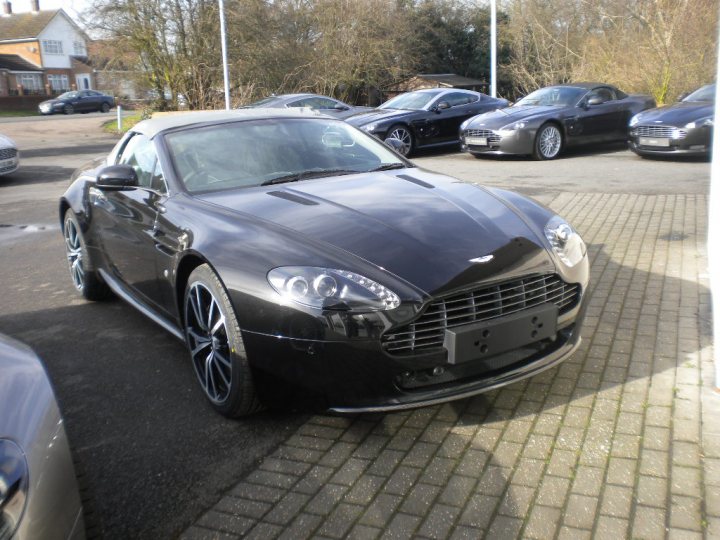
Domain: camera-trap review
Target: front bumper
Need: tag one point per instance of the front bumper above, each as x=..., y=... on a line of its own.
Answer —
x=354, y=376
x=9, y=165
x=499, y=142
x=697, y=142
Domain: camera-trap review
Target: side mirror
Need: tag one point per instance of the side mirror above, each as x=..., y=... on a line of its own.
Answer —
x=339, y=107
x=683, y=96
x=395, y=144
x=117, y=178
x=442, y=106
x=595, y=100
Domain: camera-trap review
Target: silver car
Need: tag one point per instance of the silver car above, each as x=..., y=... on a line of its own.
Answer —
x=9, y=155
x=39, y=495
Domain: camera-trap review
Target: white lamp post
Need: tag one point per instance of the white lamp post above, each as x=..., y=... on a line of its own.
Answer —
x=223, y=39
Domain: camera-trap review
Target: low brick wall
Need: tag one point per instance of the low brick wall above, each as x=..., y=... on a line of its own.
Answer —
x=21, y=103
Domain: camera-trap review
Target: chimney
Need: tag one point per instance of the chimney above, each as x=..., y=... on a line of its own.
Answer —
x=7, y=8
x=34, y=6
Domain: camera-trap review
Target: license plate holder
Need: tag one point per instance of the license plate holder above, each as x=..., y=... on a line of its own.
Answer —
x=654, y=141
x=487, y=338
x=476, y=141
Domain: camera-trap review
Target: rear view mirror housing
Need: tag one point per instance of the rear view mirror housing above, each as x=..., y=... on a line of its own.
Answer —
x=117, y=178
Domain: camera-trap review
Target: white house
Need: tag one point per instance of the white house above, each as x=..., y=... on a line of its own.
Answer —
x=49, y=45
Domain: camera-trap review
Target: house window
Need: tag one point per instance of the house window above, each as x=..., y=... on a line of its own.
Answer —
x=59, y=83
x=79, y=48
x=30, y=81
x=52, y=46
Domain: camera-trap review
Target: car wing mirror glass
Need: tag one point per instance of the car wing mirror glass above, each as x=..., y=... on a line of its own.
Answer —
x=117, y=178
x=395, y=144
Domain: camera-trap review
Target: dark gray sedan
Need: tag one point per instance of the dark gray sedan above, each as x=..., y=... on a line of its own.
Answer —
x=684, y=128
x=78, y=101
x=548, y=120
x=38, y=491
x=324, y=104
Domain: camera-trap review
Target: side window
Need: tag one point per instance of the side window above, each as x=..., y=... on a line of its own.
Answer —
x=323, y=103
x=604, y=93
x=140, y=154
x=299, y=103
x=457, y=98
x=158, y=180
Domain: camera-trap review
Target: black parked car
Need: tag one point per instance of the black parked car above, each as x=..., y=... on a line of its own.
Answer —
x=324, y=104
x=548, y=120
x=425, y=118
x=78, y=101
x=684, y=128
x=298, y=256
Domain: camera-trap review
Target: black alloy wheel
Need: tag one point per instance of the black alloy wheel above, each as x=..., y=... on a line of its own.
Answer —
x=405, y=136
x=84, y=278
x=213, y=337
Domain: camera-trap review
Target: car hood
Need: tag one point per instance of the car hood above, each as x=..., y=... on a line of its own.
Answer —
x=51, y=102
x=6, y=142
x=502, y=117
x=422, y=227
x=677, y=114
x=377, y=115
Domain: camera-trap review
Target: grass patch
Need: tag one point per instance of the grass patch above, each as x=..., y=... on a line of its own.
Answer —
x=111, y=126
x=8, y=114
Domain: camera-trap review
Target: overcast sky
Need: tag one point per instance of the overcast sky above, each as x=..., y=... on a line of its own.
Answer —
x=73, y=7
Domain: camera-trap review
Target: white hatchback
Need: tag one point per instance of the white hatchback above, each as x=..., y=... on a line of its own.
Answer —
x=9, y=155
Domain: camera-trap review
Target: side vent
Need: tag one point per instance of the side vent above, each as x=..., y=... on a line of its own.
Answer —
x=292, y=198
x=415, y=181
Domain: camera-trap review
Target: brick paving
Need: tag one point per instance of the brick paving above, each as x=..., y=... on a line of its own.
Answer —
x=620, y=441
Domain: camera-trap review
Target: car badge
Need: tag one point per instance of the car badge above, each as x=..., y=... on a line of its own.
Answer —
x=483, y=259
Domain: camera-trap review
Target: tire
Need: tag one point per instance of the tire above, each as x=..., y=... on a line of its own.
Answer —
x=68, y=109
x=105, y=107
x=404, y=134
x=217, y=351
x=86, y=280
x=548, y=142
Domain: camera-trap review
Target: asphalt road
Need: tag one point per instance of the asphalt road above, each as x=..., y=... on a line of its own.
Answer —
x=154, y=454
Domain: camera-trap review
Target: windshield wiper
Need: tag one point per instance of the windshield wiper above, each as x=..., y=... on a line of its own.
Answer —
x=389, y=167
x=304, y=175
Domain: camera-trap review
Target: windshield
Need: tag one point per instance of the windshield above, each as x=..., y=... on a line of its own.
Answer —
x=68, y=95
x=257, y=152
x=562, y=96
x=706, y=93
x=412, y=101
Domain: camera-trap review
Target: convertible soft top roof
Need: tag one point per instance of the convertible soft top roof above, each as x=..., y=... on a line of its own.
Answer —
x=153, y=126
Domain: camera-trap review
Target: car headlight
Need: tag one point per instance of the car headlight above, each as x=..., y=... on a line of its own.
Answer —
x=508, y=130
x=13, y=487
x=327, y=288
x=565, y=242
x=709, y=121
x=635, y=119
x=369, y=127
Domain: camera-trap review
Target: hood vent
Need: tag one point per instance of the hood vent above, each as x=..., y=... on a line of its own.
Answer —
x=292, y=197
x=415, y=181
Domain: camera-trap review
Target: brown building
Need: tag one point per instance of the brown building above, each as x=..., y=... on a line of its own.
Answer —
x=42, y=52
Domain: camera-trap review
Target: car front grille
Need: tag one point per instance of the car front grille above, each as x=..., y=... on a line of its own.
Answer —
x=427, y=332
x=7, y=153
x=668, y=132
x=491, y=136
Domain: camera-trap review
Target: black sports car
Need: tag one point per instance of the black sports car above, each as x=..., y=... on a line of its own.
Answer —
x=545, y=122
x=324, y=104
x=684, y=128
x=425, y=118
x=300, y=257
x=77, y=101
